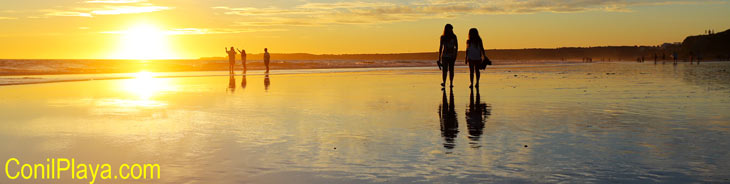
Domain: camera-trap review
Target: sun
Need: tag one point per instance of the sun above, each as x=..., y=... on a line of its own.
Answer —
x=144, y=41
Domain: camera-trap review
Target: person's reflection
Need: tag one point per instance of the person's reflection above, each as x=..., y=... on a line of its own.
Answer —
x=476, y=115
x=232, y=84
x=243, y=81
x=267, y=82
x=447, y=116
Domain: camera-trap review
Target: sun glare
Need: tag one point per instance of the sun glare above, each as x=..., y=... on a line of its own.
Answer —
x=144, y=41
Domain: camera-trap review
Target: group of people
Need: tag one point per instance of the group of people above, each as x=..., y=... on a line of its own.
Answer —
x=448, y=51
x=232, y=59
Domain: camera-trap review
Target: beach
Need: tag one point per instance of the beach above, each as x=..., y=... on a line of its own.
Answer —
x=549, y=123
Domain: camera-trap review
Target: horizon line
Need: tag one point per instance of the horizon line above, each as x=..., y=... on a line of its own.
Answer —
x=324, y=54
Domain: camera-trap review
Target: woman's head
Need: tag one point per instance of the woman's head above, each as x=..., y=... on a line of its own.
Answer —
x=474, y=34
x=448, y=30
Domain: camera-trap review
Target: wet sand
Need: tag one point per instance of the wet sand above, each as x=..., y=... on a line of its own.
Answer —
x=601, y=122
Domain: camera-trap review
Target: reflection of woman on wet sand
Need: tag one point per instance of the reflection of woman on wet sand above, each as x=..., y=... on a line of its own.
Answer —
x=476, y=115
x=449, y=123
x=267, y=82
x=243, y=81
x=232, y=84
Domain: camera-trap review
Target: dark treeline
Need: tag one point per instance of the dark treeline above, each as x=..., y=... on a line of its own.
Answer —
x=715, y=46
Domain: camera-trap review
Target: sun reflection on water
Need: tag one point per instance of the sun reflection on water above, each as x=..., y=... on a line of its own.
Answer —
x=144, y=87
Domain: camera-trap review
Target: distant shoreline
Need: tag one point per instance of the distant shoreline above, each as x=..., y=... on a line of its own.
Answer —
x=63, y=67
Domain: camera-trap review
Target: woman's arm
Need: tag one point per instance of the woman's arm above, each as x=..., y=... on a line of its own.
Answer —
x=466, y=57
x=481, y=46
x=441, y=46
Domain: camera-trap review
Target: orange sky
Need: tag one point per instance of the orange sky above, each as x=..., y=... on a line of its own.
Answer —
x=155, y=29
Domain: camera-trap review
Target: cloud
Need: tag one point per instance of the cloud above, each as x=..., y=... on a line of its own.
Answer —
x=107, y=7
x=200, y=31
x=7, y=18
x=116, y=1
x=357, y=12
x=115, y=10
x=66, y=13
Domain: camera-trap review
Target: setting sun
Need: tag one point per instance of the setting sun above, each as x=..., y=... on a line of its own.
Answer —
x=144, y=41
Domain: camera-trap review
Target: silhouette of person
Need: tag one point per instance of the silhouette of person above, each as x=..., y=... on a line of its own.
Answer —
x=266, y=59
x=232, y=84
x=675, y=56
x=476, y=115
x=231, y=59
x=474, y=55
x=267, y=82
x=655, y=58
x=448, y=49
x=243, y=59
x=699, y=57
x=449, y=122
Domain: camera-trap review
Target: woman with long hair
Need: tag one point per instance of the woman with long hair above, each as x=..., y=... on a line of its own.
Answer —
x=448, y=47
x=243, y=59
x=474, y=55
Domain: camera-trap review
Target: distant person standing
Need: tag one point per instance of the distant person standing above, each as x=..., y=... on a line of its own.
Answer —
x=448, y=48
x=267, y=57
x=474, y=54
x=675, y=56
x=243, y=59
x=231, y=59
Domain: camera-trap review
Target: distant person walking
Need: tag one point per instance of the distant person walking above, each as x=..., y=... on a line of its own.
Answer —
x=267, y=57
x=243, y=59
x=675, y=56
x=448, y=48
x=474, y=54
x=231, y=59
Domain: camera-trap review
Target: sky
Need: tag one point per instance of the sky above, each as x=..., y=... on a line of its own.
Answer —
x=190, y=29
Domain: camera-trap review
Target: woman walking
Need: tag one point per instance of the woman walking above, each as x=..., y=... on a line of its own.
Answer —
x=243, y=59
x=474, y=54
x=448, y=47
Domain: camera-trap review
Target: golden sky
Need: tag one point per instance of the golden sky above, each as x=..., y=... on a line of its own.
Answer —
x=155, y=29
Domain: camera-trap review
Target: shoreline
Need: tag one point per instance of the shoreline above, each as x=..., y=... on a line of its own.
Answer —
x=27, y=79
x=275, y=65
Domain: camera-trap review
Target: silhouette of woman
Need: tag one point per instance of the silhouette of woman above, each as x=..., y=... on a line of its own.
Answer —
x=448, y=48
x=266, y=59
x=449, y=122
x=231, y=59
x=243, y=59
x=474, y=54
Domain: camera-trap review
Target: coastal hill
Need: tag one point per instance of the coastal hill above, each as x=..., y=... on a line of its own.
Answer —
x=711, y=45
